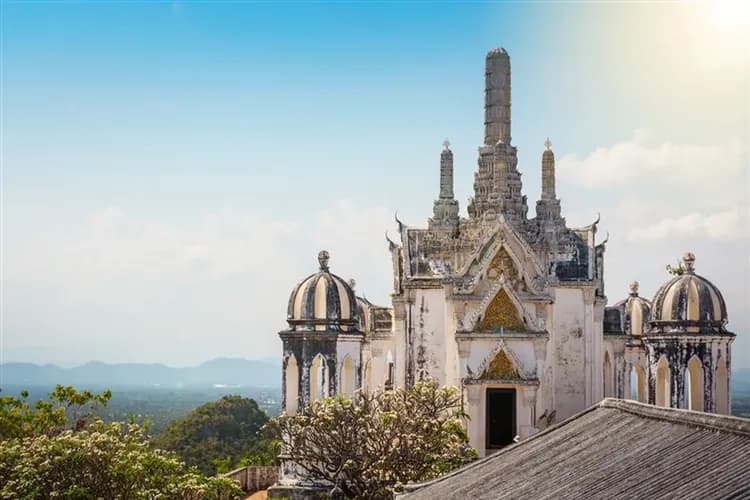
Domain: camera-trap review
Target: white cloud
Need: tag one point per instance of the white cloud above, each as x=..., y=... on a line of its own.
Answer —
x=729, y=225
x=666, y=166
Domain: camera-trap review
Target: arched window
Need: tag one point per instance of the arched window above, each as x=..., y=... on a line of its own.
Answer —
x=318, y=378
x=694, y=384
x=662, y=383
x=348, y=376
x=722, y=387
x=638, y=383
x=607, y=376
x=291, y=385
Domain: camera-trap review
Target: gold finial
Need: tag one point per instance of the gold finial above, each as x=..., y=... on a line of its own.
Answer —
x=323, y=257
x=548, y=144
x=634, y=288
x=689, y=260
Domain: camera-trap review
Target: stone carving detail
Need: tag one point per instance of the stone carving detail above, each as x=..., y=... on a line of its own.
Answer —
x=501, y=314
x=502, y=264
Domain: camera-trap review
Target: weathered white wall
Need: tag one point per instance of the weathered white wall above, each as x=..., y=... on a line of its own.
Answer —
x=430, y=338
x=568, y=344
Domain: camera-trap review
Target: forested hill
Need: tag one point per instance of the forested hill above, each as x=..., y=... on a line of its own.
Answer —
x=220, y=371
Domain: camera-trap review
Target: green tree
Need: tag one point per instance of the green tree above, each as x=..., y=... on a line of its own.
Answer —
x=64, y=408
x=372, y=442
x=60, y=448
x=218, y=435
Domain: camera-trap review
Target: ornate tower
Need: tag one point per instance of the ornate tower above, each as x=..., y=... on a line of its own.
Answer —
x=497, y=181
x=445, y=208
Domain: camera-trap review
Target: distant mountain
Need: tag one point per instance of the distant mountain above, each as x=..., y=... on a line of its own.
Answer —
x=220, y=371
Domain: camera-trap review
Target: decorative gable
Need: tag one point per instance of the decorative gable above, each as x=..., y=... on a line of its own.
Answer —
x=501, y=314
x=500, y=368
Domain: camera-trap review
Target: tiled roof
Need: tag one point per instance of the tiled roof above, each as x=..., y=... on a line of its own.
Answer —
x=616, y=449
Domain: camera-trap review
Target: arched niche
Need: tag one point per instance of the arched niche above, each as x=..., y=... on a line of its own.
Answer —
x=722, y=386
x=662, y=383
x=318, y=378
x=694, y=384
x=291, y=385
x=348, y=376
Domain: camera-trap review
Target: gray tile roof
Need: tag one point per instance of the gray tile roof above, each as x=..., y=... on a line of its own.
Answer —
x=616, y=449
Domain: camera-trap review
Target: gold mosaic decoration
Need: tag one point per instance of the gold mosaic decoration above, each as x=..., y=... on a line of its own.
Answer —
x=501, y=314
x=501, y=368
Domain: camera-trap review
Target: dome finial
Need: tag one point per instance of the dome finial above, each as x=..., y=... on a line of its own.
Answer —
x=548, y=144
x=634, y=288
x=323, y=257
x=689, y=260
x=446, y=145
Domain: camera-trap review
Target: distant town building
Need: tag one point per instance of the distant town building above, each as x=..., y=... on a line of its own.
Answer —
x=509, y=308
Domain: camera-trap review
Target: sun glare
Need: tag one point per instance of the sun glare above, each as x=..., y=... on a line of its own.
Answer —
x=731, y=12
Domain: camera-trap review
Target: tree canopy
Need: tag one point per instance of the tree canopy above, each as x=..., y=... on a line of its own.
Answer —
x=219, y=435
x=61, y=449
x=370, y=443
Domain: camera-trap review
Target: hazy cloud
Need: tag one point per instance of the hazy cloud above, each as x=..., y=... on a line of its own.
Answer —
x=666, y=166
x=729, y=225
x=114, y=283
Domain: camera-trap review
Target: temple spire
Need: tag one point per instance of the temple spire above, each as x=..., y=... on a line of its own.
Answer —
x=446, y=172
x=445, y=208
x=497, y=97
x=548, y=172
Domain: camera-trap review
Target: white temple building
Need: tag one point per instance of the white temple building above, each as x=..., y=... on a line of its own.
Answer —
x=509, y=308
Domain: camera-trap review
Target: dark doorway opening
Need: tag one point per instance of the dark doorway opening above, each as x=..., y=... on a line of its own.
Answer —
x=500, y=418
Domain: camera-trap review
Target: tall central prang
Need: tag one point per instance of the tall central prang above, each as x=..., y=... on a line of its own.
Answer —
x=497, y=182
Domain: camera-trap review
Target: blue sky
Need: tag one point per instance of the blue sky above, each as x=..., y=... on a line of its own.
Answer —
x=171, y=169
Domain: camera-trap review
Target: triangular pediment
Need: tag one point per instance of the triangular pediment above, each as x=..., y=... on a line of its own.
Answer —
x=501, y=315
x=502, y=367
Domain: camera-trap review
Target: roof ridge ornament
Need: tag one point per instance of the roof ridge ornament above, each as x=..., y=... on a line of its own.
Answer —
x=323, y=257
x=689, y=260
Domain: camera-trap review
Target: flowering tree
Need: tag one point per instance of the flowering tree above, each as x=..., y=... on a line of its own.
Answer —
x=374, y=441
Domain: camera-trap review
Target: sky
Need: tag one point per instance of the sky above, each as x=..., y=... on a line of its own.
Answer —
x=171, y=169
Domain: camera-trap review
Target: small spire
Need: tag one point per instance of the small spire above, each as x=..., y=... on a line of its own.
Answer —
x=634, y=288
x=689, y=260
x=323, y=257
x=446, y=145
x=548, y=144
